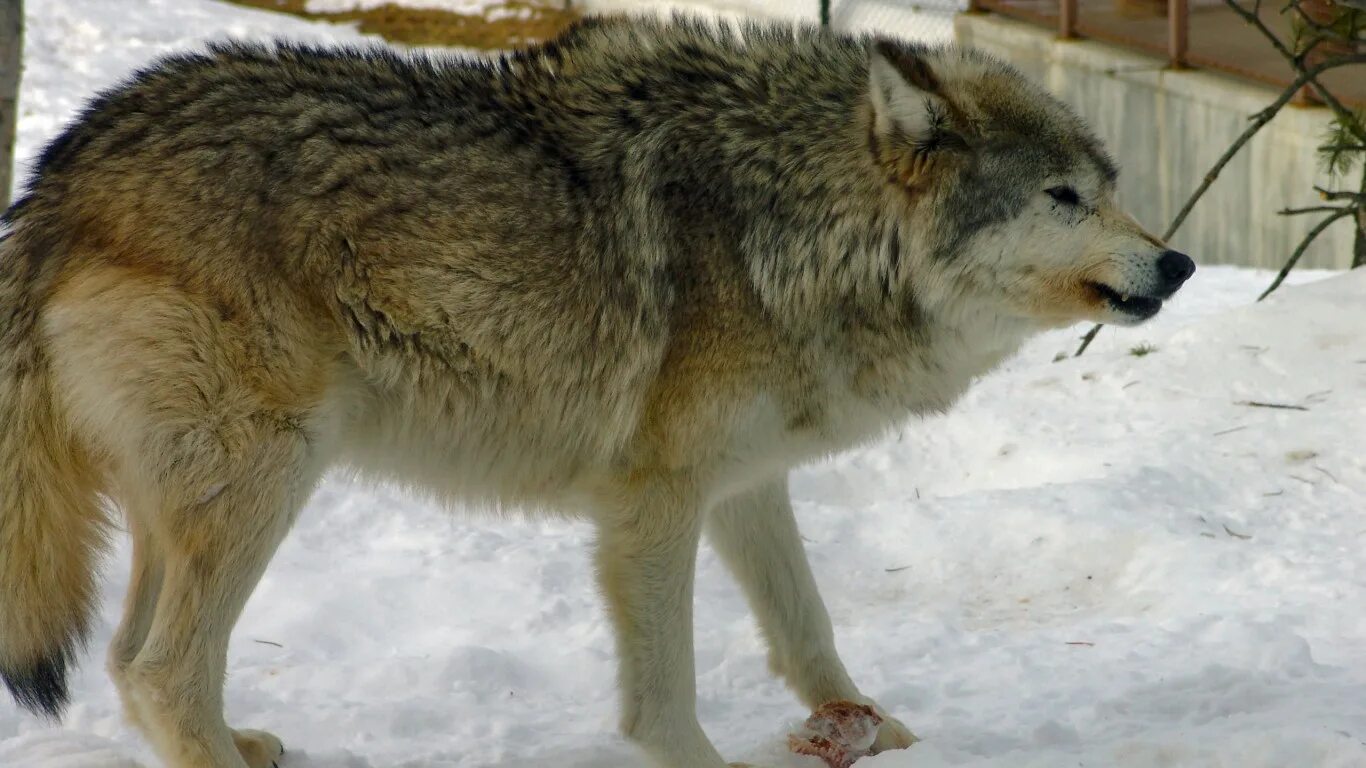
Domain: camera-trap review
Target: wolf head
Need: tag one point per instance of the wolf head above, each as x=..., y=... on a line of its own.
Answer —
x=1022, y=195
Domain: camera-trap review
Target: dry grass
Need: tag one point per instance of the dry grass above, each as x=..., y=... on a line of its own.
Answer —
x=522, y=23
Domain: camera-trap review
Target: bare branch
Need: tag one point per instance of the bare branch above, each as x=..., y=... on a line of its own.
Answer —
x=1297, y=62
x=1340, y=194
x=1359, y=241
x=1259, y=120
x=1087, y=339
x=1310, y=209
x=1278, y=406
x=1304, y=76
x=1303, y=246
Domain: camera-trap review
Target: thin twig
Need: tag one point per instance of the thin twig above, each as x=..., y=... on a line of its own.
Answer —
x=1303, y=246
x=1230, y=532
x=1230, y=431
x=268, y=642
x=1310, y=209
x=1281, y=406
x=1087, y=339
x=1339, y=194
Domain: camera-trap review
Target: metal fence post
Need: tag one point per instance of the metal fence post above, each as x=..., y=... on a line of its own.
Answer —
x=1178, y=32
x=1067, y=19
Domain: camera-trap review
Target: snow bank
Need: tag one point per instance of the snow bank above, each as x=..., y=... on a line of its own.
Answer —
x=1105, y=561
x=491, y=8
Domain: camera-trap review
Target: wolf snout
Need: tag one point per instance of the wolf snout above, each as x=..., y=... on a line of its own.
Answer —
x=1175, y=269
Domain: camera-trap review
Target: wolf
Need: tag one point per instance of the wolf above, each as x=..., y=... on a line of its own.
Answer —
x=634, y=274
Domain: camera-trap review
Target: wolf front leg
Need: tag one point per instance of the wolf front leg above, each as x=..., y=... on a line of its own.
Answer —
x=756, y=535
x=647, y=552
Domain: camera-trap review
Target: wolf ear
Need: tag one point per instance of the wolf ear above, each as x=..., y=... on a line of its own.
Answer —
x=905, y=94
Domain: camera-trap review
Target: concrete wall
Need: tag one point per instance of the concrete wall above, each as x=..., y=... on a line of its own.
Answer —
x=1167, y=129
x=929, y=21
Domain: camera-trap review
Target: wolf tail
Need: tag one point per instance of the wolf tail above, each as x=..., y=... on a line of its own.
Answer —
x=52, y=522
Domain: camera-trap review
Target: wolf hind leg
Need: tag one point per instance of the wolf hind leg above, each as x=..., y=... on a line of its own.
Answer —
x=756, y=535
x=139, y=606
x=208, y=427
x=214, y=552
x=258, y=748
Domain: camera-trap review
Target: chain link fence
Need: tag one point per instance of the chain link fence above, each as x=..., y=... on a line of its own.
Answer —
x=924, y=20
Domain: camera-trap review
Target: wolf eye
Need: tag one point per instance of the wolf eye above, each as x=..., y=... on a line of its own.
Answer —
x=1064, y=195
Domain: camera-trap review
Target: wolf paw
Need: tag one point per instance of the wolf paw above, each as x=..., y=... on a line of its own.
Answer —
x=258, y=748
x=892, y=734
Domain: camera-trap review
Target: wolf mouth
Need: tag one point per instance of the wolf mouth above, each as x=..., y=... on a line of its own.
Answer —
x=1129, y=304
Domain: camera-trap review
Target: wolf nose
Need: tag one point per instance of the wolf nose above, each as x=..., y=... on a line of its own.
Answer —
x=1175, y=267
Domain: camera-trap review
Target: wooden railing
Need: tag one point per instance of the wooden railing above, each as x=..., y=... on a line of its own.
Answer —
x=1195, y=34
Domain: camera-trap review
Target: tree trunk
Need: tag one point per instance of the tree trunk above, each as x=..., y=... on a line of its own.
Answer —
x=11, y=62
x=1359, y=250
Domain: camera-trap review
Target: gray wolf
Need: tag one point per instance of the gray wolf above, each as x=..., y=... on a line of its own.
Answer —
x=634, y=274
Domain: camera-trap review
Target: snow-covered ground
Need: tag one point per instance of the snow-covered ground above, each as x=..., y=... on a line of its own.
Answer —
x=1111, y=561
x=473, y=7
x=489, y=9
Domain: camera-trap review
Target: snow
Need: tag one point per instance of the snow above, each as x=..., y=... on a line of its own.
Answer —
x=467, y=7
x=73, y=48
x=1103, y=561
